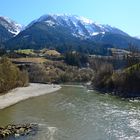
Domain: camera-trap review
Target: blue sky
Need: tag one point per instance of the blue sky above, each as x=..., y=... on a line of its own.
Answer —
x=124, y=14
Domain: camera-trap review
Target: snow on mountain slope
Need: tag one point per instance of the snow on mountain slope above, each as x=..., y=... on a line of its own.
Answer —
x=10, y=25
x=137, y=37
x=58, y=31
x=79, y=26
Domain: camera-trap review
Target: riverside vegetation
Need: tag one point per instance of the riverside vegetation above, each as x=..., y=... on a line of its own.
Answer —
x=115, y=74
x=124, y=83
x=119, y=77
x=10, y=76
x=42, y=70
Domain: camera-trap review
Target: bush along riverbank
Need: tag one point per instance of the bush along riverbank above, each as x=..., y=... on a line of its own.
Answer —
x=11, y=131
x=10, y=76
x=124, y=83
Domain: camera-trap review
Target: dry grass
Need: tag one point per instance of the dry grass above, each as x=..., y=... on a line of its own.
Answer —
x=26, y=51
x=30, y=60
x=52, y=53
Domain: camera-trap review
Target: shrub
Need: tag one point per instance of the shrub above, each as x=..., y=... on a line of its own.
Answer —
x=11, y=76
x=102, y=76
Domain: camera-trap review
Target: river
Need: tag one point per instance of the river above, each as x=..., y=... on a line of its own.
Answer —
x=74, y=113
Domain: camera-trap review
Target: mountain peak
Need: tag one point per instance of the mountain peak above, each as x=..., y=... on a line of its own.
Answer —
x=10, y=25
x=79, y=25
x=66, y=17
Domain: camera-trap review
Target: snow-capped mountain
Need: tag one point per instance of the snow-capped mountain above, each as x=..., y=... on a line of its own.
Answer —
x=80, y=26
x=62, y=31
x=10, y=25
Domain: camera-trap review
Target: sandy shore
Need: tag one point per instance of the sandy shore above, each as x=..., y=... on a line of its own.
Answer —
x=23, y=93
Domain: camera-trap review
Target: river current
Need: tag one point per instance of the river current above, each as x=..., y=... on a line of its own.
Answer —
x=75, y=113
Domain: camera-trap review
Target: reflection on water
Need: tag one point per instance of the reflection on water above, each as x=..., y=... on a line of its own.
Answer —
x=74, y=113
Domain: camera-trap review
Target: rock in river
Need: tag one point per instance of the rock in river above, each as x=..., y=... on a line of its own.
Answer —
x=18, y=130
